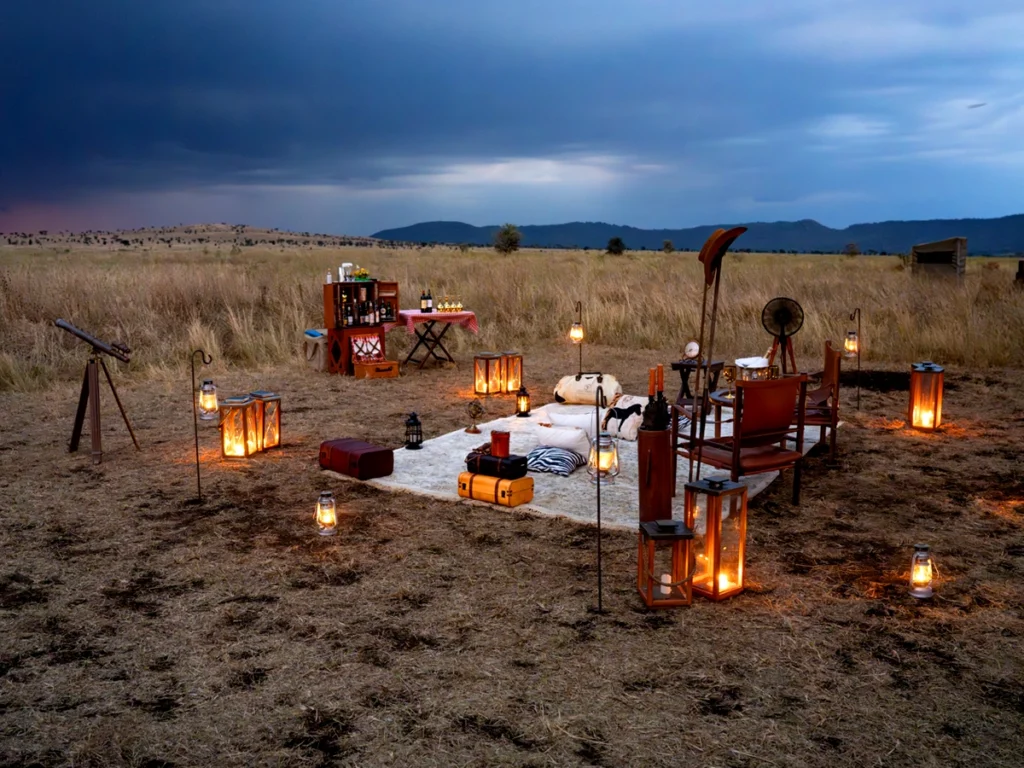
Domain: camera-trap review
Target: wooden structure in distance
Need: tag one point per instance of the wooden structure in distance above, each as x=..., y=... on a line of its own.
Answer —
x=942, y=258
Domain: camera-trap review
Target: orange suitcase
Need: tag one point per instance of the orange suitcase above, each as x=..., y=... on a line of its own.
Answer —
x=507, y=493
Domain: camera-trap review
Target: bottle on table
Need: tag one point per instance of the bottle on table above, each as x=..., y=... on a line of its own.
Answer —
x=423, y=301
x=430, y=301
x=328, y=280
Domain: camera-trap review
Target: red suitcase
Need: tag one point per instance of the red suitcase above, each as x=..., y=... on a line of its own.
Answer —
x=356, y=458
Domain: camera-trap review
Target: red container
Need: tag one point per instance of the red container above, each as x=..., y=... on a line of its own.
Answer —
x=499, y=444
x=356, y=458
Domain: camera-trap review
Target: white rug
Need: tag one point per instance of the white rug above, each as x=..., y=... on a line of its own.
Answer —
x=434, y=470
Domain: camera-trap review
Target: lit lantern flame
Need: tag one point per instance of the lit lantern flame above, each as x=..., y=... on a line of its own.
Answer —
x=208, y=401
x=522, y=402
x=576, y=333
x=921, y=572
x=603, y=464
x=208, y=408
x=326, y=516
x=924, y=418
x=922, y=576
x=852, y=344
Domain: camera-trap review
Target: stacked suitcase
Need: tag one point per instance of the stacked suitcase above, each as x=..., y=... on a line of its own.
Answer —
x=496, y=479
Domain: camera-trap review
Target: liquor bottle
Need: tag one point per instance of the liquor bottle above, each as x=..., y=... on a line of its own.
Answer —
x=328, y=280
x=430, y=301
x=341, y=313
x=350, y=314
x=423, y=301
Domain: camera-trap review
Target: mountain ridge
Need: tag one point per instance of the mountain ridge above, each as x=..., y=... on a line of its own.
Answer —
x=1003, y=235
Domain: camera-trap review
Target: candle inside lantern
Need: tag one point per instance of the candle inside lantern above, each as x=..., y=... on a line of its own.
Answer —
x=663, y=588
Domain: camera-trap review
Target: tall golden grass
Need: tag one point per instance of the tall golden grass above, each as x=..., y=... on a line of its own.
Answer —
x=250, y=308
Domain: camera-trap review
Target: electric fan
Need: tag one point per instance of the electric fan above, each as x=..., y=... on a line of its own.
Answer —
x=782, y=318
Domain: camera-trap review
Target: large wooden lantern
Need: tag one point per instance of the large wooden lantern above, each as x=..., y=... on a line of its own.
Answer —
x=921, y=572
x=665, y=564
x=239, y=436
x=208, y=409
x=522, y=402
x=603, y=464
x=268, y=419
x=511, y=371
x=487, y=378
x=413, y=432
x=925, y=396
x=716, y=510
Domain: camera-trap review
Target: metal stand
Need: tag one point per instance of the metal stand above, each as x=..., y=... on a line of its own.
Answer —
x=598, y=399
x=90, y=397
x=856, y=315
x=207, y=359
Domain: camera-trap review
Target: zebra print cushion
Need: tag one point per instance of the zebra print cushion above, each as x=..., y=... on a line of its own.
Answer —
x=560, y=461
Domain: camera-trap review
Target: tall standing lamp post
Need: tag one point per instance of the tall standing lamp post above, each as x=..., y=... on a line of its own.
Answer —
x=206, y=360
x=852, y=347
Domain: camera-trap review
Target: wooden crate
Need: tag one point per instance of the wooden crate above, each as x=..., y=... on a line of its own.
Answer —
x=387, y=369
x=339, y=346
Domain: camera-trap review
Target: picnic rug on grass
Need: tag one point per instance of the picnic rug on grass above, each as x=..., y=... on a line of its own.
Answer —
x=434, y=469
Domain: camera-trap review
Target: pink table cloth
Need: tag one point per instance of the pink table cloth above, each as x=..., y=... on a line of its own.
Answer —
x=409, y=318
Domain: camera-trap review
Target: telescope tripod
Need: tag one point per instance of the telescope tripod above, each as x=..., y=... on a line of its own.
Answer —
x=91, y=397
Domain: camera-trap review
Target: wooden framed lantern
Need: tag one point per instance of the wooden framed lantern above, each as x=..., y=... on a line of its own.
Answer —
x=716, y=510
x=487, y=374
x=208, y=408
x=925, y=410
x=522, y=402
x=512, y=371
x=268, y=419
x=664, y=573
x=238, y=429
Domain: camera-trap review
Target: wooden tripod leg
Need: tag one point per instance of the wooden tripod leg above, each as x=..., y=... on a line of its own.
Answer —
x=120, y=407
x=76, y=431
x=94, y=412
x=792, y=357
x=775, y=348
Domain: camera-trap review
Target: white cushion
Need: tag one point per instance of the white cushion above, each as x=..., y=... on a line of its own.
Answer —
x=584, y=421
x=564, y=437
x=584, y=391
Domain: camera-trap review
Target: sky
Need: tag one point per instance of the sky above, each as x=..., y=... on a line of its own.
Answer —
x=351, y=116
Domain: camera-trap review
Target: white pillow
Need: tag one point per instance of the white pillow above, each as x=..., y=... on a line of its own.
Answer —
x=625, y=416
x=564, y=437
x=584, y=391
x=584, y=421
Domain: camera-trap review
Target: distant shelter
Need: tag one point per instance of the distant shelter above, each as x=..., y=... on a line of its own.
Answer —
x=943, y=257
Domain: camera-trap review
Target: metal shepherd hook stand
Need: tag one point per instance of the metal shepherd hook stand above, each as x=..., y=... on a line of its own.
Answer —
x=598, y=399
x=207, y=359
x=711, y=257
x=855, y=315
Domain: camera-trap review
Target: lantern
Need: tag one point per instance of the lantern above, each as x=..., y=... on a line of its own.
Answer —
x=239, y=435
x=326, y=514
x=925, y=396
x=268, y=419
x=665, y=564
x=576, y=333
x=716, y=510
x=851, y=345
x=921, y=568
x=208, y=409
x=603, y=464
x=413, y=433
x=512, y=371
x=487, y=374
x=522, y=402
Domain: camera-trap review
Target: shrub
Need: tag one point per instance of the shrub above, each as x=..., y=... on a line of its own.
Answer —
x=506, y=239
x=616, y=247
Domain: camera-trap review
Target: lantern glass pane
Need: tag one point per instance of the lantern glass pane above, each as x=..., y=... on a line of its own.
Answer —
x=480, y=376
x=326, y=514
x=926, y=396
x=494, y=369
x=730, y=548
x=851, y=345
x=233, y=432
x=576, y=333
x=251, y=438
x=513, y=373
x=258, y=415
x=208, y=409
x=271, y=424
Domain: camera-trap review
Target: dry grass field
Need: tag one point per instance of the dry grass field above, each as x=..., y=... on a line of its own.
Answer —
x=140, y=628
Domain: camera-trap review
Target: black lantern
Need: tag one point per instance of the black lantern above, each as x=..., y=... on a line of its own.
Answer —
x=413, y=432
x=522, y=402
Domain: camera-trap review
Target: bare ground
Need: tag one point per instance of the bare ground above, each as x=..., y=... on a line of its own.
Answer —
x=142, y=628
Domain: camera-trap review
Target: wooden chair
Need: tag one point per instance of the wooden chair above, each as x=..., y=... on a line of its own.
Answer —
x=762, y=424
x=821, y=407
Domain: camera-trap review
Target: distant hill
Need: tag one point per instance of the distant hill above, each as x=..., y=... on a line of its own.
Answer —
x=984, y=236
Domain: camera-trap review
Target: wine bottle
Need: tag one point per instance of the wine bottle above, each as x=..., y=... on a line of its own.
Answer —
x=423, y=301
x=430, y=301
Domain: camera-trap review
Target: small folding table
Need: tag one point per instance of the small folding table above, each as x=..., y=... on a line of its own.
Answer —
x=434, y=326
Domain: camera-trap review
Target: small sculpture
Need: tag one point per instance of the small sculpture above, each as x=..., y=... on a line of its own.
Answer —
x=476, y=410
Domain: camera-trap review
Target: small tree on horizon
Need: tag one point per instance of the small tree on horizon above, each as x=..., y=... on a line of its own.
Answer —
x=506, y=239
x=616, y=247
x=851, y=249
x=668, y=247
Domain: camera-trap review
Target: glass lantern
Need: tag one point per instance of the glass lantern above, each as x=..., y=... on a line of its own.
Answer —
x=268, y=419
x=413, y=432
x=716, y=510
x=512, y=371
x=576, y=333
x=487, y=374
x=851, y=346
x=522, y=402
x=239, y=435
x=326, y=514
x=921, y=572
x=664, y=575
x=208, y=409
x=925, y=410
x=603, y=464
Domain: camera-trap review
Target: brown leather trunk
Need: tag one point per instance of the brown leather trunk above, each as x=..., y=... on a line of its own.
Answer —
x=654, y=454
x=356, y=458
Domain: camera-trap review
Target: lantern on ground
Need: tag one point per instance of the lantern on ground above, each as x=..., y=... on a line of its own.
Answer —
x=512, y=371
x=326, y=514
x=665, y=564
x=925, y=396
x=413, y=432
x=268, y=419
x=851, y=345
x=921, y=572
x=487, y=378
x=603, y=464
x=208, y=409
x=716, y=510
x=239, y=435
x=522, y=402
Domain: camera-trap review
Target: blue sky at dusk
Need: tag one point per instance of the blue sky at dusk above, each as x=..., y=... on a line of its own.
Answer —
x=350, y=116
